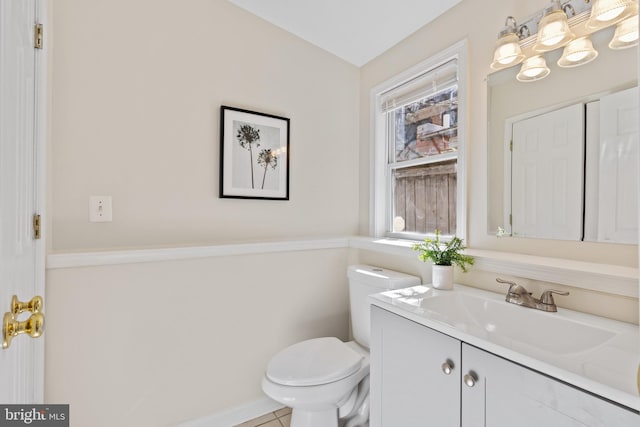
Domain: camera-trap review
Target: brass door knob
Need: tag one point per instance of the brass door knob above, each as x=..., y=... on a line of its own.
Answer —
x=34, y=306
x=11, y=327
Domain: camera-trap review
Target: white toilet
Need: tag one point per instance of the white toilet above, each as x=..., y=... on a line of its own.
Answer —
x=324, y=380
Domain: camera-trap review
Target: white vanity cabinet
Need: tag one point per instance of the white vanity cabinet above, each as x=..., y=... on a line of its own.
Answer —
x=506, y=394
x=410, y=387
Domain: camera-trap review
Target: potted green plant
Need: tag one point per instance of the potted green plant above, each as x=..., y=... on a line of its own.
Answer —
x=443, y=256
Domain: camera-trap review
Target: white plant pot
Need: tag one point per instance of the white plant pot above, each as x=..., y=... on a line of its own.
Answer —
x=442, y=276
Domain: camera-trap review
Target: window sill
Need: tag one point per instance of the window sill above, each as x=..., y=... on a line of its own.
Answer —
x=399, y=247
x=607, y=278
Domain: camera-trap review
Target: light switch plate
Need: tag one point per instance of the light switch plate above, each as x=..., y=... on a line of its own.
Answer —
x=100, y=209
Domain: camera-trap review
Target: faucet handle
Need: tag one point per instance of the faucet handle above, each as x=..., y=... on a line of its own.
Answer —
x=506, y=282
x=547, y=296
x=514, y=288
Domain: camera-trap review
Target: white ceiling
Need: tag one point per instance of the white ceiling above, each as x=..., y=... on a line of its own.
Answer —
x=354, y=30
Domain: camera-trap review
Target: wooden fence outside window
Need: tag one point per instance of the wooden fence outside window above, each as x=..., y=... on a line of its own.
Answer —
x=425, y=197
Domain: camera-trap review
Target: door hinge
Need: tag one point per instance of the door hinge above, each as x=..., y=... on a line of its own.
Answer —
x=38, y=36
x=511, y=145
x=510, y=219
x=37, y=228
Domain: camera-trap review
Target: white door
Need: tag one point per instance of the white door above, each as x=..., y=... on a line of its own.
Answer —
x=592, y=174
x=415, y=374
x=504, y=394
x=21, y=255
x=617, y=199
x=547, y=175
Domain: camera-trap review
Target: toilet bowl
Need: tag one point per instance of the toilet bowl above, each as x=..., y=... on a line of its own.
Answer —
x=325, y=381
x=322, y=390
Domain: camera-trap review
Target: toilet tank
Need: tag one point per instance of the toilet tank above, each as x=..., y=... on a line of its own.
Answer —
x=365, y=280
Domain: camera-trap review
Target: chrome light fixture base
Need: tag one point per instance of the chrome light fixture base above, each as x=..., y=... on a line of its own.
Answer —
x=568, y=24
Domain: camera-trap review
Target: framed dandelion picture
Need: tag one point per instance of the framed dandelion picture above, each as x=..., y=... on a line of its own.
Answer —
x=254, y=155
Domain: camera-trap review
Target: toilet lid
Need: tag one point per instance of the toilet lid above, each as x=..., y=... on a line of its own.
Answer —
x=314, y=362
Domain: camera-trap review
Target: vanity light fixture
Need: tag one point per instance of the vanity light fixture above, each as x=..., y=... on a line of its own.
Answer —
x=553, y=30
x=507, y=52
x=605, y=13
x=568, y=24
x=626, y=34
x=578, y=52
x=533, y=68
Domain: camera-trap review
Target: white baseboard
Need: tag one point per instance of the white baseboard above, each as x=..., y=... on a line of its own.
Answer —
x=237, y=415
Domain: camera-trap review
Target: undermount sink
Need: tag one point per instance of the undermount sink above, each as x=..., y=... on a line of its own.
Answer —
x=487, y=315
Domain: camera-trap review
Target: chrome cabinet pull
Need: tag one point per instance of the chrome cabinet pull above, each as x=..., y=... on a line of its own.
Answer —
x=447, y=367
x=470, y=379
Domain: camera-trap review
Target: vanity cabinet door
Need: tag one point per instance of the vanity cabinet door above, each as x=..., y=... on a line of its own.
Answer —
x=409, y=386
x=506, y=394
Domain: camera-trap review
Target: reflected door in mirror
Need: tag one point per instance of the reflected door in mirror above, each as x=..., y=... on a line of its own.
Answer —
x=616, y=219
x=547, y=171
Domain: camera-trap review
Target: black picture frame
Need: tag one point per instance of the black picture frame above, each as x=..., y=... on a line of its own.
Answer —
x=254, y=155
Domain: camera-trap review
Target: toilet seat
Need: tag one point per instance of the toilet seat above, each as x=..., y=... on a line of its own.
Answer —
x=314, y=362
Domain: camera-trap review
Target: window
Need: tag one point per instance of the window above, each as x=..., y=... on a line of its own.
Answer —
x=418, y=183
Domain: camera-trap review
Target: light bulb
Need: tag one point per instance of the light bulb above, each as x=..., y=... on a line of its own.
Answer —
x=626, y=34
x=608, y=12
x=578, y=52
x=554, y=30
x=534, y=68
x=507, y=51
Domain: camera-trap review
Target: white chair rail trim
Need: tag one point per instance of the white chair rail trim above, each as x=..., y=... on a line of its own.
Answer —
x=85, y=259
x=606, y=278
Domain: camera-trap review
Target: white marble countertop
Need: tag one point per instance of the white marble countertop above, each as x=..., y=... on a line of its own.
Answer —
x=608, y=369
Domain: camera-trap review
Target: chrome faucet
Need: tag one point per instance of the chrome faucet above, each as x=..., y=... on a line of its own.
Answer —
x=518, y=295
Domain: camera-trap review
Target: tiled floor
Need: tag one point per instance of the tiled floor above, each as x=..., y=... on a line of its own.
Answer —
x=279, y=418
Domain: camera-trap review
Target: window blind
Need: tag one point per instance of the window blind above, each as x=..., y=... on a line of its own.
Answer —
x=426, y=84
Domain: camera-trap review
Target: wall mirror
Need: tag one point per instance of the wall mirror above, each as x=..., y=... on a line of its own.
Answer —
x=563, y=178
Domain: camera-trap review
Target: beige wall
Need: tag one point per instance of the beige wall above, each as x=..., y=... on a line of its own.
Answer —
x=154, y=344
x=136, y=88
x=479, y=23
x=136, y=94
